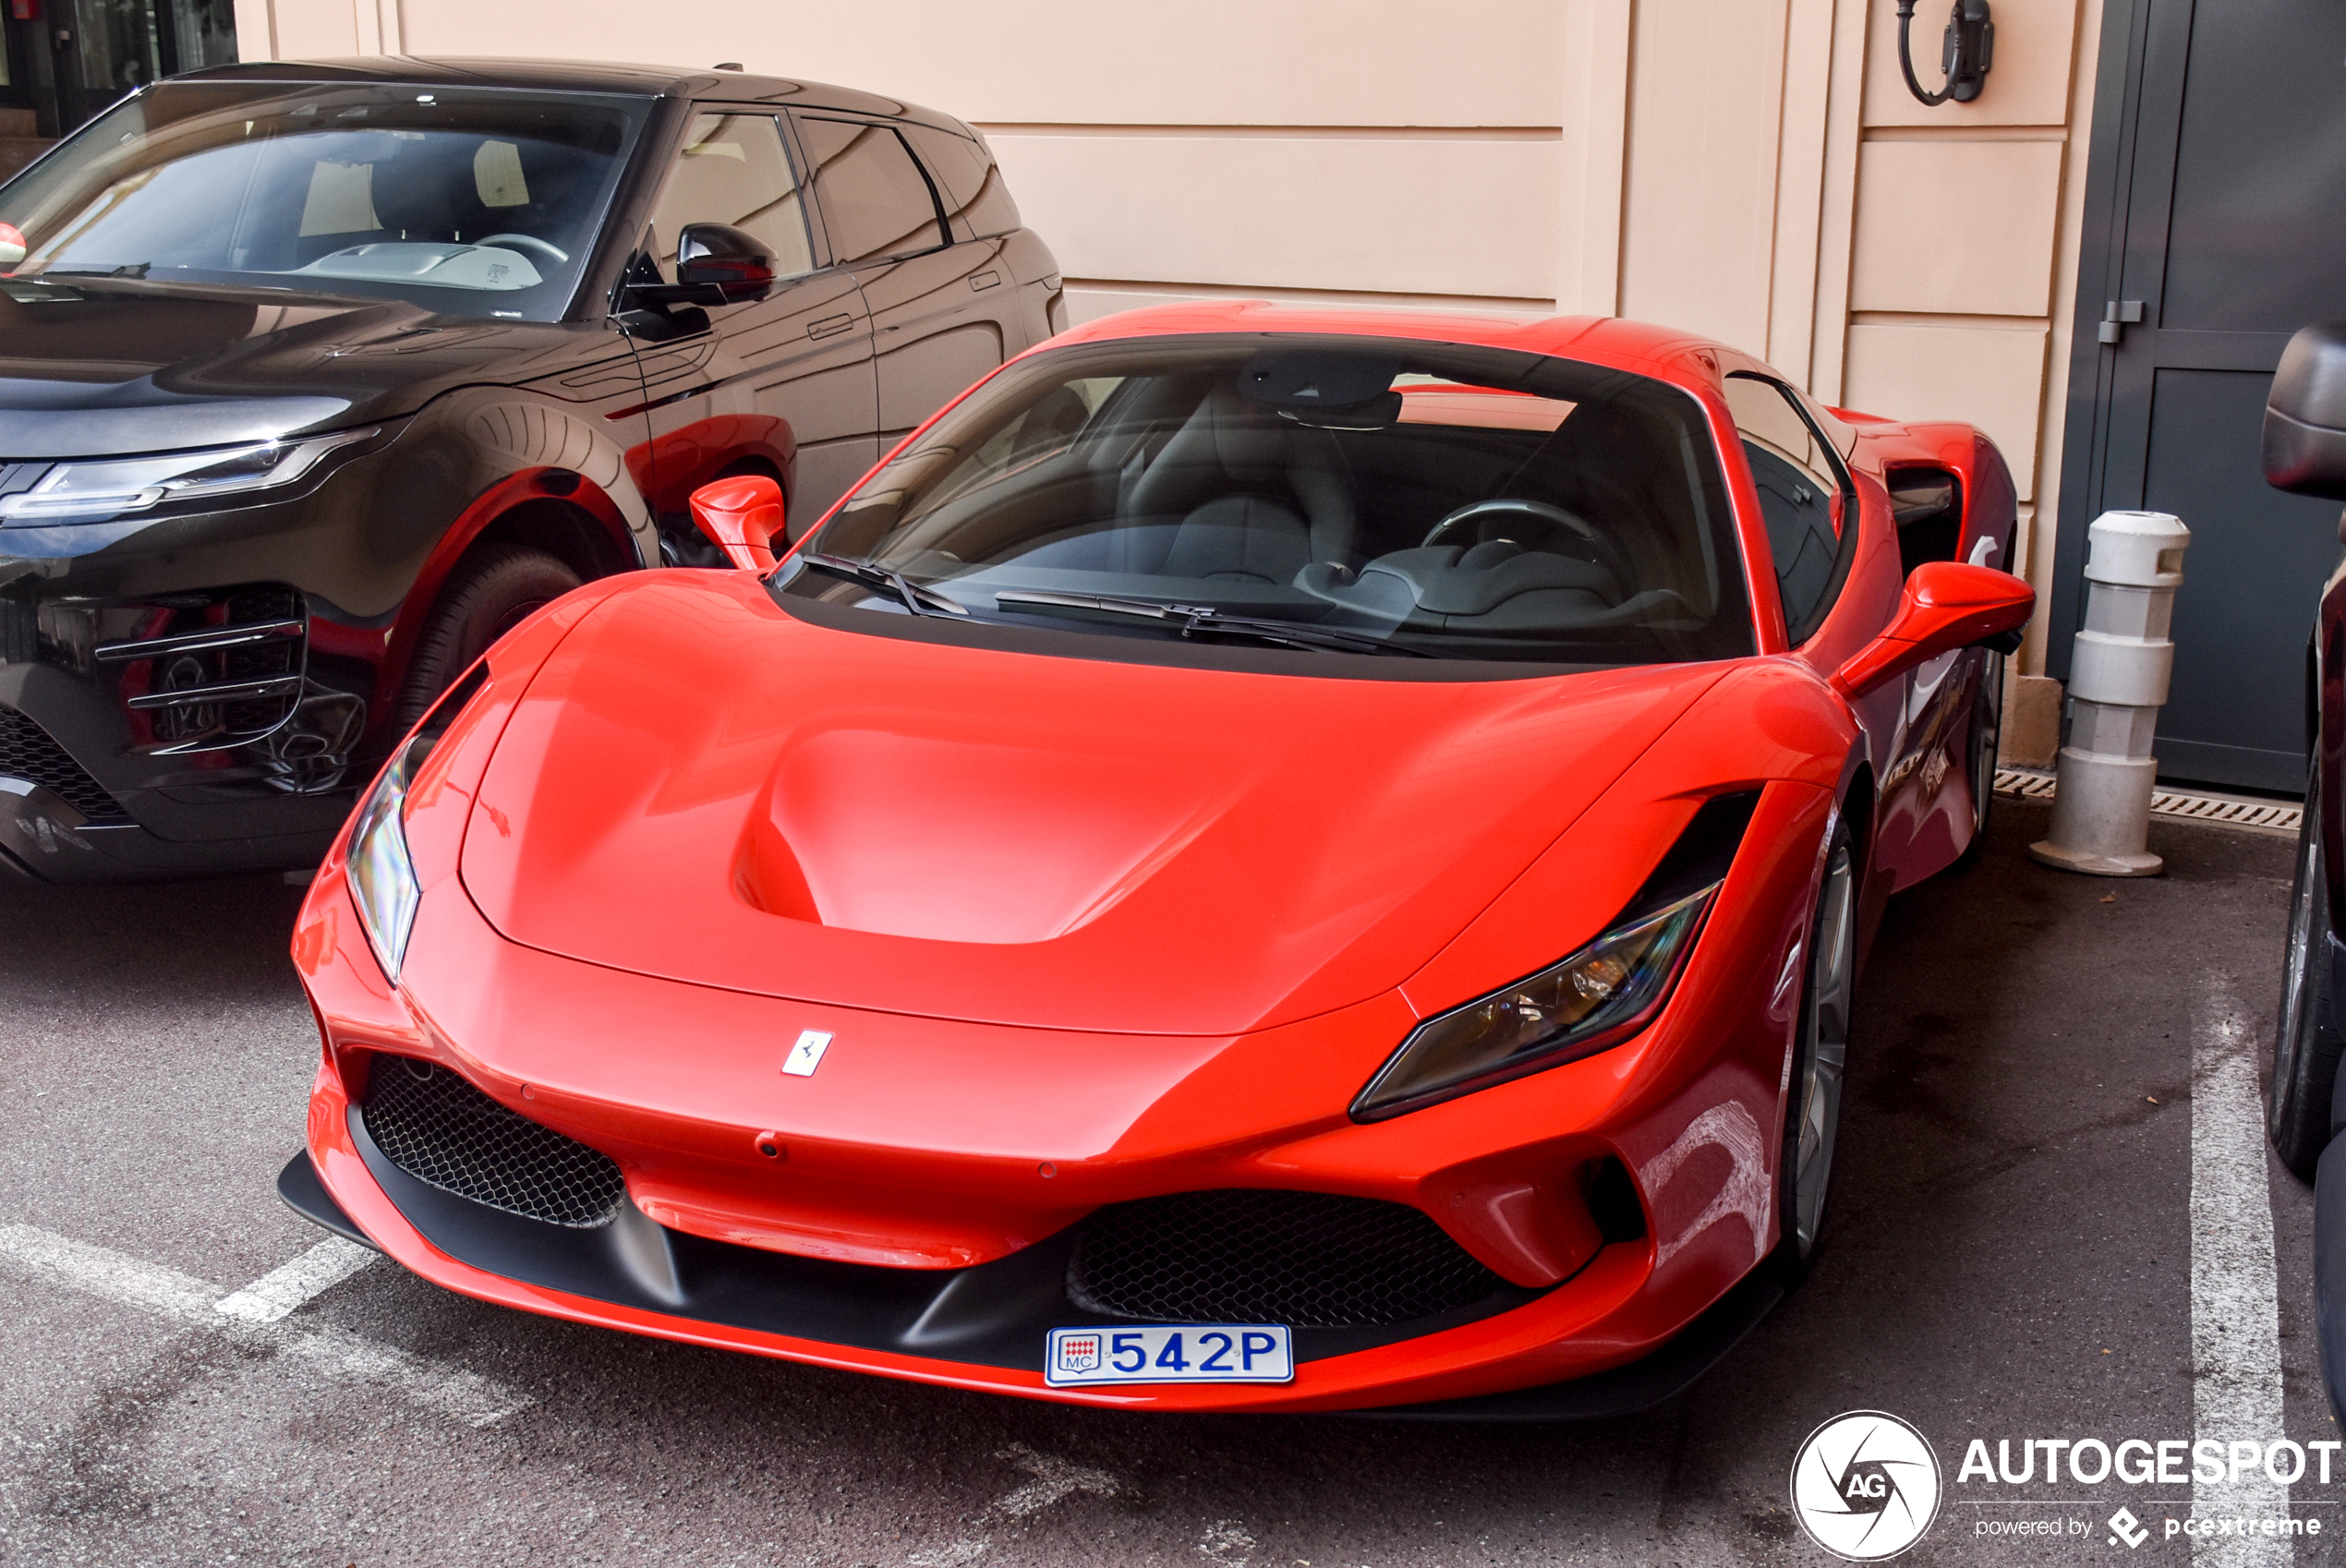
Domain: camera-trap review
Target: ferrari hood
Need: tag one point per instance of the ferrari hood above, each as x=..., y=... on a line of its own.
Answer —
x=700, y=787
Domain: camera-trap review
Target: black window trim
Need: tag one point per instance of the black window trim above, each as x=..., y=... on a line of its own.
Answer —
x=1846, y=552
x=928, y=183
x=819, y=232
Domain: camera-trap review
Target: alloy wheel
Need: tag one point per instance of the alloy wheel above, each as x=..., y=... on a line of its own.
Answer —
x=1987, y=736
x=1824, y=1045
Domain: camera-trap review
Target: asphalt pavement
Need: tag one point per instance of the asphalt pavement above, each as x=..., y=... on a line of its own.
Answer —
x=2012, y=1257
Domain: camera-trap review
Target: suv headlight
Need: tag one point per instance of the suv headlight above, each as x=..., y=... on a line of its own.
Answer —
x=383, y=873
x=107, y=487
x=1596, y=998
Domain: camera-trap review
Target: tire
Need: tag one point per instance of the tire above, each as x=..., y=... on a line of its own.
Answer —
x=2306, y=1042
x=493, y=588
x=1979, y=753
x=1821, y=1056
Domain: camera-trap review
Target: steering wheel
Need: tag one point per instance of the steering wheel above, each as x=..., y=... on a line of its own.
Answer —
x=528, y=242
x=1608, y=555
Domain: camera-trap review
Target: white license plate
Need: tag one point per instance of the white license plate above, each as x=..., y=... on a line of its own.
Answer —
x=1191, y=1353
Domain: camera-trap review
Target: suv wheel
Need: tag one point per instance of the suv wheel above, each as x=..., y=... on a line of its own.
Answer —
x=493, y=589
x=2306, y=1046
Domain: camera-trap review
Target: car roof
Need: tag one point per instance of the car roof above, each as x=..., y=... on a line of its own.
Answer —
x=576, y=76
x=1669, y=352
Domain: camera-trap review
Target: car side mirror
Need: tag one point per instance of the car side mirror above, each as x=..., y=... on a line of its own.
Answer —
x=743, y=516
x=2305, y=414
x=715, y=264
x=1945, y=605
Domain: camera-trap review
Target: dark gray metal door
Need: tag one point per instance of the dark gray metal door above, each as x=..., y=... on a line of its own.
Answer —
x=2216, y=226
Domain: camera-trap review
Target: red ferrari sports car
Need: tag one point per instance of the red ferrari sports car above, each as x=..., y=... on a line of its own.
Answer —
x=1265, y=859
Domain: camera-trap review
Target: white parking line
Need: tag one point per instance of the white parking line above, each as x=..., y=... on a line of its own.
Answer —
x=463, y=1396
x=2235, y=1314
x=278, y=1292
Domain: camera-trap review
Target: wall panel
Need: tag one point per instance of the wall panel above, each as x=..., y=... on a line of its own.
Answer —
x=1449, y=216
x=1699, y=230
x=1211, y=62
x=1961, y=227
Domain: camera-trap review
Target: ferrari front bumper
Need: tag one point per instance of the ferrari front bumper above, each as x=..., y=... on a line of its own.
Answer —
x=870, y=1308
x=939, y=1250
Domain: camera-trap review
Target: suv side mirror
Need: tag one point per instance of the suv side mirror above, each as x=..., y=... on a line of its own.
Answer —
x=1946, y=604
x=715, y=264
x=2305, y=414
x=743, y=516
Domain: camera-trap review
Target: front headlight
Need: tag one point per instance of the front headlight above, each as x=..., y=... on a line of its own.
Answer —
x=107, y=487
x=382, y=876
x=1596, y=998
x=383, y=873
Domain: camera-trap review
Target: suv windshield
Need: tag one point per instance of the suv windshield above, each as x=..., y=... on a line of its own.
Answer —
x=1322, y=494
x=470, y=201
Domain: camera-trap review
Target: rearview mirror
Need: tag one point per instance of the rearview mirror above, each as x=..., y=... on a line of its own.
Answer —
x=715, y=264
x=743, y=516
x=1946, y=604
x=2305, y=414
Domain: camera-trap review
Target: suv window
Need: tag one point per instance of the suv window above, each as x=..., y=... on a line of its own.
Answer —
x=1803, y=496
x=875, y=200
x=974, y=195
x=478, y=202
x=733, y=169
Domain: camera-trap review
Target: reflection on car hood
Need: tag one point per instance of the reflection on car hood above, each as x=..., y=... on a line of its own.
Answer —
x=96, y=366
x=700, y=787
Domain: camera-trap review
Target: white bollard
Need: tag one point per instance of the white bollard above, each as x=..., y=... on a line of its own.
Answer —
x=2117, y=684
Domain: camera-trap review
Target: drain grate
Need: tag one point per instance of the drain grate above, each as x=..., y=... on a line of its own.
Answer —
x=2026, y=782
x=2221, y=811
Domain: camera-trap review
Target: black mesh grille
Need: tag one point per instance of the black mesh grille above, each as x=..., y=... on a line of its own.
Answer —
x=29, y=752
x=440, y=1129
x=1307, y=1259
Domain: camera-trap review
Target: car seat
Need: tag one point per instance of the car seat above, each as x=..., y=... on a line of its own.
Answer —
x=1250, y=496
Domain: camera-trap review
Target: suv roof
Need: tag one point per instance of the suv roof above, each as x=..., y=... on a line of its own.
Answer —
x=577, y=75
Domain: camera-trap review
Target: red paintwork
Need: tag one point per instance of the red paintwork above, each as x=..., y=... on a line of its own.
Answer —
x=675, y=464
x=675, y=814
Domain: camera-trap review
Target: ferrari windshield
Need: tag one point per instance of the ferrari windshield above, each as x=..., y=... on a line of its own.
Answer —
x=468, y=201
x=1322, y=494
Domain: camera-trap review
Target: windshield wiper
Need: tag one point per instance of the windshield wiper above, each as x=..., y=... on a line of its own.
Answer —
x=137, y=270
x=1189, y=618
x=919, y=600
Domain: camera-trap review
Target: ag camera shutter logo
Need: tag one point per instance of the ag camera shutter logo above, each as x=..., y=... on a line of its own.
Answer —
x=1865, y=1486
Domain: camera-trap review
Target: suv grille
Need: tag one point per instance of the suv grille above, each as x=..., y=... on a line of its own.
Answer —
x=440, y=1129
x=1308, y=1259
x=29, y=752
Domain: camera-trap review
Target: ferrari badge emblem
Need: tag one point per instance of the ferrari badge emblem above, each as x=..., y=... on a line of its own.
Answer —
x=807, y=1054
x=1078, y=1352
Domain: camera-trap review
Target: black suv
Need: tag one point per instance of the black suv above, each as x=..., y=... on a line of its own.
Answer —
x=316, y=377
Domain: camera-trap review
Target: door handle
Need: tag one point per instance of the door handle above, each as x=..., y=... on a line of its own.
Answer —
x=985, y=280
x=829, y=326
x=2116, y=316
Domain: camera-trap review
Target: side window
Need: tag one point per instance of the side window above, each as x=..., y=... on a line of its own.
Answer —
x=875, y=201
x=733, y=169
x=1801, y=496
x=968, y=182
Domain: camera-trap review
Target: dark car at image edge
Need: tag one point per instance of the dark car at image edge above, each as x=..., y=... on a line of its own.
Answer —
x=317, y=376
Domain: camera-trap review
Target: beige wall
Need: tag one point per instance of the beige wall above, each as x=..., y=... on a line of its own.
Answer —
x=1750, y=169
